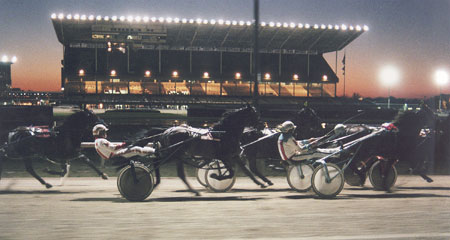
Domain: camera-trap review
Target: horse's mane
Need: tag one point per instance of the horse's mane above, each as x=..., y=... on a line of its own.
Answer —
x=227, y=117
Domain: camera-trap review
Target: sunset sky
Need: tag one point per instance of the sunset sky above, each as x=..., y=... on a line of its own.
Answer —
x=413, y=35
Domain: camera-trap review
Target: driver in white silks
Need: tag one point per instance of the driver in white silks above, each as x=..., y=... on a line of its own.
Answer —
x=291, y=149
x=107, y=149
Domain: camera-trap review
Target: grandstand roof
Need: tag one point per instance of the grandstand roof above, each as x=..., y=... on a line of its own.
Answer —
x=202, y=34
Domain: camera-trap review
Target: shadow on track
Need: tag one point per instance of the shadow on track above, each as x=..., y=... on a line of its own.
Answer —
x=36, y=192
x=425, y=188
x=169, y=199
x=392, y=195
x=239, y=190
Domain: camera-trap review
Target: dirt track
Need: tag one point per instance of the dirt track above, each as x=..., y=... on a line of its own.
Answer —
x=91, y=208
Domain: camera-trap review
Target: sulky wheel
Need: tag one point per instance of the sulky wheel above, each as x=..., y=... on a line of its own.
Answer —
x=139, y=190
x=352, y=178
x=299, y=177
x=375, y=173
x=218, y=168
x=201, y=176
x=322, y=187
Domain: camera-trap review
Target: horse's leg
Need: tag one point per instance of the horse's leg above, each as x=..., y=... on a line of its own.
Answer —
x=249, y=173
x=157, y=173
x=182, y=176
x=2, y=156
x=91, y=164
x=30, y=170
x=254, y=168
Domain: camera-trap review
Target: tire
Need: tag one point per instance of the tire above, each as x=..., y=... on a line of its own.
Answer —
x=135, y=191
x=324, y=189
x=376, y=180
x=201, y=176
x=351, y=178
x=295, y=181
x=218, y=185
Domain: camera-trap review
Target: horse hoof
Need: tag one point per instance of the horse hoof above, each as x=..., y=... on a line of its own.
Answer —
x=197, y=194
x=270, y=183
x=104, y=176
x=263, y=186
x=48, y=185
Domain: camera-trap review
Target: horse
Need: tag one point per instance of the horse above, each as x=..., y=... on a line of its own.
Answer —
x=62, y=143
x=308, y=125
x=224, y=144
x=401, y=142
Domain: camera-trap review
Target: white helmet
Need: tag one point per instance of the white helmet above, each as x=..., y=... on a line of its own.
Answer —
x=99, y=129
x=339, y=128
x=287, y=126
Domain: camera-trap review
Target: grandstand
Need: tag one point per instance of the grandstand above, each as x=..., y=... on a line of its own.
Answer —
x=108, y=56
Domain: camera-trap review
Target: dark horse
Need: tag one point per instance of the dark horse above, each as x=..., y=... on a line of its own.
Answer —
x=401, y=142
x=308, y=125
x=224, y=146
x=62, y=143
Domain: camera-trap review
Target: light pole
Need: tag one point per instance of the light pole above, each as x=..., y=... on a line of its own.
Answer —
x=389, y=77
x=441, y=79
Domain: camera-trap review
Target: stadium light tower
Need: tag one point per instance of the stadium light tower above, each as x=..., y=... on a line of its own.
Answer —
x=389, y=77
x=441, y=79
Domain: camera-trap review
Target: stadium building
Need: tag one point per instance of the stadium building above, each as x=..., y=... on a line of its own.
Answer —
x=5, y=72
x=151, y=57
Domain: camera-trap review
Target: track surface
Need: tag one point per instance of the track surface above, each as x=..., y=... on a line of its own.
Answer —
x=91, y=208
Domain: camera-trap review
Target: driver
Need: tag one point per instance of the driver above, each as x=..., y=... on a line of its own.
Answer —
x=107, y=149
x=288, y=146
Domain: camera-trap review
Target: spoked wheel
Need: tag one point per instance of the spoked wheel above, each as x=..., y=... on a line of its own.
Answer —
x=299, y=177
x=137, y=190
x=218, y=168
x=375, y=176
x=352, y=178
x=327, y=188
x=201, y=176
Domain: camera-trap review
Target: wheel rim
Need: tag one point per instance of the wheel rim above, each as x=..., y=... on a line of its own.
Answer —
x=295, y=180
x=135, y=191
x=201, y=173
x=376, y=179
x=218, y=185
x=351, y=178
x=324, y=188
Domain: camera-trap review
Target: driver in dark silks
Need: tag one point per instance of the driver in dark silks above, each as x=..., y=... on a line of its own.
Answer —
x=108, y=150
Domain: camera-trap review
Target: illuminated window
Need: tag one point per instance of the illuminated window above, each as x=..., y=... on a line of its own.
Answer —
x=205, y=75
x=267, y=76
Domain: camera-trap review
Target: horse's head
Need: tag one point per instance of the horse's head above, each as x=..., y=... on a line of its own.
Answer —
x=81, y=122
x=308, y=123
x=237, y=119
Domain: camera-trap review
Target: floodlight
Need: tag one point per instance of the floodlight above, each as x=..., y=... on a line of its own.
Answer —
x=130, y=18
x=69, y=16
x=366, y=28
x=83, y=17
x=285, y=25
x=99, y=18
x=122, y=18
x=146, y=19
x=344, y=27
x=14, y=59
x=60, y=16
x=114, y=18
x=53, y=16
x=358, y=28
x=441, y=77
x=76, y=17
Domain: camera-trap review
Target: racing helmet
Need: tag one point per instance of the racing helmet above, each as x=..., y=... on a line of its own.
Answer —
x=339, y=128
x=287, y=126
x=99, y=130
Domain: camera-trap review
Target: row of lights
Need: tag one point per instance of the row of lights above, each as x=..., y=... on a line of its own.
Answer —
x=206, y=75
x=139, y=19
x=5, y=59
